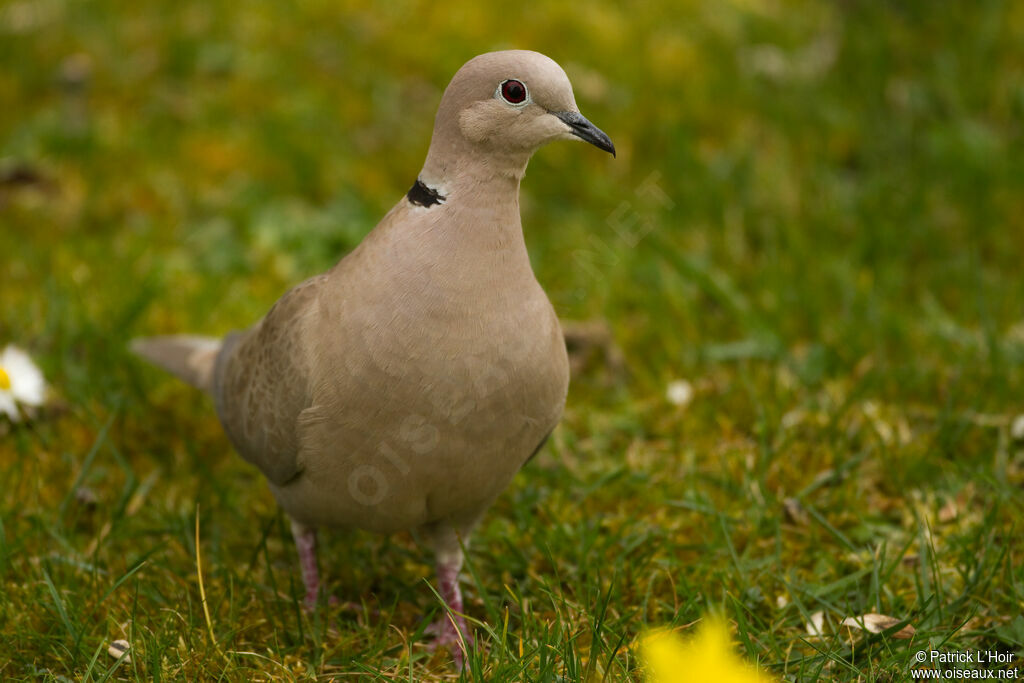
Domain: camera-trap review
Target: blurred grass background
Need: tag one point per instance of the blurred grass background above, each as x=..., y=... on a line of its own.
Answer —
x=816, y=219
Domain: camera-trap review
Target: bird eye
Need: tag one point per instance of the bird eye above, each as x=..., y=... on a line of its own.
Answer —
x=513, y=91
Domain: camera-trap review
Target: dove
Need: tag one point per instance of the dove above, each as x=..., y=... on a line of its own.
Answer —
x=405, y=387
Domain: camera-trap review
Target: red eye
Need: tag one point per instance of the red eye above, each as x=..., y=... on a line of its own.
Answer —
x=513, y=91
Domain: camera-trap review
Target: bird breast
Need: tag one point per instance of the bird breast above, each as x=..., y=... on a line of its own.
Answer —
x=437, y=397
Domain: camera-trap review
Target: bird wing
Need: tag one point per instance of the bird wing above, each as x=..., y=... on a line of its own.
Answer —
x=262, y=382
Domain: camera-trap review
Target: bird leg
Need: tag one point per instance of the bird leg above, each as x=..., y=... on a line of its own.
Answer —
x=305, y=543
x=451, y=630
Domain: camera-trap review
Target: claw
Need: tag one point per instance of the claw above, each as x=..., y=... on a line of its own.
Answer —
x=452, y=633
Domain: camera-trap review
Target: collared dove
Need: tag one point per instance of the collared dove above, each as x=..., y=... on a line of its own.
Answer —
x=405, y=387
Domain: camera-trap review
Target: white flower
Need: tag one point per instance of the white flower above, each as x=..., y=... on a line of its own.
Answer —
x=21, y=382
x=679, y=392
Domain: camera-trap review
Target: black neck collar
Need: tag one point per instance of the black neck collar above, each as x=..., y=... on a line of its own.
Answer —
x=421, y=195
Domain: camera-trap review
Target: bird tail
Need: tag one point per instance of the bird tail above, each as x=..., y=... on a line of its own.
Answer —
x=189, y=358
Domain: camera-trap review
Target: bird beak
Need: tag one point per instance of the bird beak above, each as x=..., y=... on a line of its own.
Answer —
x=582, y=128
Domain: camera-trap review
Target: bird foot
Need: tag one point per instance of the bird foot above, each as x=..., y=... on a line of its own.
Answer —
x=446, y=635
x=312, y=601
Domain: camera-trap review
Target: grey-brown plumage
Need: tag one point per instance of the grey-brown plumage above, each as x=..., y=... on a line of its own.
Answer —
x=405, y=387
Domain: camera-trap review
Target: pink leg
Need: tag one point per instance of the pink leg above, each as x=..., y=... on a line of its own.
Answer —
x=451, y=629
x=305, y=543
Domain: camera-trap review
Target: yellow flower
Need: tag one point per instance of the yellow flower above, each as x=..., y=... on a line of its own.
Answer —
x=706, y=657
x=21, y=382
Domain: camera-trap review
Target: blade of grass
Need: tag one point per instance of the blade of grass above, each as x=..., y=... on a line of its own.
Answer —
x=202, y=590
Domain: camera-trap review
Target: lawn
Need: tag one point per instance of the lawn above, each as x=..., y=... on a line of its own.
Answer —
x=808, y=252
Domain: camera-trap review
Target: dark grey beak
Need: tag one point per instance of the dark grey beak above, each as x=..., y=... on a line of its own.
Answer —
x=582, y=128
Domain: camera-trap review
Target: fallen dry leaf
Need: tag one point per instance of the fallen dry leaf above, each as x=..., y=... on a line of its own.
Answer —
x=948, y=512
x=590, y=343
x=795, y=512
x=1017, y=428
x=876, y=623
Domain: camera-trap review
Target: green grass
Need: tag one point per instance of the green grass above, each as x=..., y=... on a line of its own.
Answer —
x=834, y=265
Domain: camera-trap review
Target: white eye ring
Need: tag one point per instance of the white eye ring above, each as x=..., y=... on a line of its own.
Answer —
x=499, y=93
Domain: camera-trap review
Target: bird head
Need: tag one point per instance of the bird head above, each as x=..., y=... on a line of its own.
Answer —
x=503, y=106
